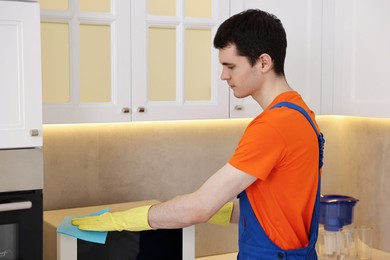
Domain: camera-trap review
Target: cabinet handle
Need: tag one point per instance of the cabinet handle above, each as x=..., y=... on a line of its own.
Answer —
x=34, y=132
x=239, y=107
x=125, y=110
x=140, y=109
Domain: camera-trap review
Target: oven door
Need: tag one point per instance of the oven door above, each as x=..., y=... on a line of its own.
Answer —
x=144, y=245
x=21, y=224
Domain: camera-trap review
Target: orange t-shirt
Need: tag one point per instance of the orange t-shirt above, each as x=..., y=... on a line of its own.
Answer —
x=280, y=148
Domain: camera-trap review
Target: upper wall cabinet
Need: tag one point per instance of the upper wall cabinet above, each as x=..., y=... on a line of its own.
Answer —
x=20, y=80
x=121, y=61
x=86, y=61
x=175, y=69
x=356, y=58
x=302, y=21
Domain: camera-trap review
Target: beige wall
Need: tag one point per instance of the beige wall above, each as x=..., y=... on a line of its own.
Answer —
x=109, y=163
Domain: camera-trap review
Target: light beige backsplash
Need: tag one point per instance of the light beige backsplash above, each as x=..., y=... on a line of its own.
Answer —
x=357, y=164
x=109, y=163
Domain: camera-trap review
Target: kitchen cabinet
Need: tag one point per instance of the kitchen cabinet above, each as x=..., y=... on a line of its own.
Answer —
x=174, y=76
x=336, y=59
x=175, y=70
x=20, y=81
x=302, y=21
x=355, y=60
x=167, y=76
x=86, y=61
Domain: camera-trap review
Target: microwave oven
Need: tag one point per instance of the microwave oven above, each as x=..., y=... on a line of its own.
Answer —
x=161, y=244
x=170, y=244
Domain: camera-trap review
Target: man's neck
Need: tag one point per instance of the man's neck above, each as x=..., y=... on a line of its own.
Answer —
x=272, y=88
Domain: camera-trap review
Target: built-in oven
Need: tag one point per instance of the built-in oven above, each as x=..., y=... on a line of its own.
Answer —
x=21, y=199
x=21, y=225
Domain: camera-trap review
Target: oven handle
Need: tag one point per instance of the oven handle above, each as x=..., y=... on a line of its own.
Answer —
x=15, y=206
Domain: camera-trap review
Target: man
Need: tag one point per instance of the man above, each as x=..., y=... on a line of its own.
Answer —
x=275, y=168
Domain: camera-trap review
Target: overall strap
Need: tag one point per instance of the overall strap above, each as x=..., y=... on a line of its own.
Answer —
x=320, y=136
x=321, y=141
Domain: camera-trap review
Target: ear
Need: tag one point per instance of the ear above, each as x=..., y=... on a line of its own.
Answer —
x=265, y=62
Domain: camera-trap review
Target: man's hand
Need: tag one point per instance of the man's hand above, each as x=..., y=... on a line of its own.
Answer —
x=135, y=219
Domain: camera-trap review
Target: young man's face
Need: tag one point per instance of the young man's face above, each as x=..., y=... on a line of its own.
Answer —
x=243, y=79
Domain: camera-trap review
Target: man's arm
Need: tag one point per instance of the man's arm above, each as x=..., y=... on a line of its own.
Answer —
x=182, y=211
x=201, y=205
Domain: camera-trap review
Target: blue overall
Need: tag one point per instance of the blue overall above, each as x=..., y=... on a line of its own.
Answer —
x=254, y=244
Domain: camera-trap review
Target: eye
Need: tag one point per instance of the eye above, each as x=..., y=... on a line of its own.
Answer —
x=229, y=66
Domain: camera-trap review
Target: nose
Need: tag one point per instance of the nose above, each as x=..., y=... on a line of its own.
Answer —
x=225, y=75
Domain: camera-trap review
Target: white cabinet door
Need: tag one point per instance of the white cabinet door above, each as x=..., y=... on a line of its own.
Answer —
x=175, y=69
x=302, y=21
x=86, y=61
x=359, y=67
x=20, y=80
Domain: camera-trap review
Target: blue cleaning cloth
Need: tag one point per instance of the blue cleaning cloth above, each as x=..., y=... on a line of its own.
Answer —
x=67, y=228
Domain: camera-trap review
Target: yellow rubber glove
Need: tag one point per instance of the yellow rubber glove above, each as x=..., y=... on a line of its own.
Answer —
x=135, y=219
x=223, y=216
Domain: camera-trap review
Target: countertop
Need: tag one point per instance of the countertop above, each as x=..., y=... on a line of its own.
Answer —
x=53, y=218
x=376, y=255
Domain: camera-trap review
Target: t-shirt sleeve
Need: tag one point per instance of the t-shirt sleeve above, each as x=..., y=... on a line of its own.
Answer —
x=259, y=150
